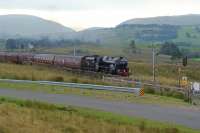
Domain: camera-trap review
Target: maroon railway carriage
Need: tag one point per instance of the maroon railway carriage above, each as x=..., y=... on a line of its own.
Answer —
x=68, y=61
x=43, y=58
x=18, y=58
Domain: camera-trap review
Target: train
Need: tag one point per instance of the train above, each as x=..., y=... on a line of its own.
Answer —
x=94, y=63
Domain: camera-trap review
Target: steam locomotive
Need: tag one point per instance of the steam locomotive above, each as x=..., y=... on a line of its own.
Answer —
x=96, y=63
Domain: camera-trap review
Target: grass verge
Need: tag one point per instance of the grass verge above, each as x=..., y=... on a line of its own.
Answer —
x=32, y=116
x=107, y=95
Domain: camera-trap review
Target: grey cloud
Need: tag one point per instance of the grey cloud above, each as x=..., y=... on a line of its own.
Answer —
x=64, y=4
x=42, y=4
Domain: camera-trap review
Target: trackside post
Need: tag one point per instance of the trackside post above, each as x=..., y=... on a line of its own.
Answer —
x=140, y=89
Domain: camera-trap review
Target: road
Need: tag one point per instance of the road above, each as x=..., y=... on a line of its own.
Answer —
x=186, y=117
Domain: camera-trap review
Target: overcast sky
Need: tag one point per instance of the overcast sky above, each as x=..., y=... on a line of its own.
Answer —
x=80, y=14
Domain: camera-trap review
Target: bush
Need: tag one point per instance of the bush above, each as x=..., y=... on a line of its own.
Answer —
x=24, y=78
x=178, y=95
x=33, y=78
x=149, y=90
x=57, y=79
x=36, y=105
x=142, y=126
x=165, y=92
x=3, y=130
x=74, y=80
x=171, y=130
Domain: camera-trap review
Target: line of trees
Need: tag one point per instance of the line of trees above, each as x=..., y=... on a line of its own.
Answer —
x=170, y=48
x=173, y=49
x=40, y=43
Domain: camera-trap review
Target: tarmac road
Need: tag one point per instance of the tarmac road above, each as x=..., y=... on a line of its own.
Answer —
x=181, y=116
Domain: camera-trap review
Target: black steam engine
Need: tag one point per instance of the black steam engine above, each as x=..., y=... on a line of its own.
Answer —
x=106, y=64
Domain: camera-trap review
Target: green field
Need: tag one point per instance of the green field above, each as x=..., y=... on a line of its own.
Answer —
x=196, y=59
x=35, y=117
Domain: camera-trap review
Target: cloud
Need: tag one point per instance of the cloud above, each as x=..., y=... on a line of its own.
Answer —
x=69, y=4
x=42, y=4
x=87, y=13
x=97, y=4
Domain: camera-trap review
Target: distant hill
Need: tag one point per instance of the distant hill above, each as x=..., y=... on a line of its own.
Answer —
x=185, y=28
x=124, y=34
x=182, y=20
x=93, y=28
x=25, y=25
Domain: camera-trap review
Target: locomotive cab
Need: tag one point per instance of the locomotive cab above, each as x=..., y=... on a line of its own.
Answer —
x=114, y=65
x=122, y=67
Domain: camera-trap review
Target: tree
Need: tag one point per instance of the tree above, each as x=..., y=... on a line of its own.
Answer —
x=169, y=48
x=133, y=46
x=188, y=35
x=11, y=44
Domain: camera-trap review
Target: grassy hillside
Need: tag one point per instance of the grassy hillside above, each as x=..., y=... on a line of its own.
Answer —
x=122, y=35
x=190, y=35
x=35, y=117
x=144, y=31
x=190, y=19
x=29, y=26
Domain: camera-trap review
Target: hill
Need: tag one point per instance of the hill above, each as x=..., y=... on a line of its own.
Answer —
x=184, y=29
x=183, y=20
x=124, y=34
x=25, y=25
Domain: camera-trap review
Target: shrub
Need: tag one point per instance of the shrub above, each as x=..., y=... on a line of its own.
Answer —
x=74, y=80
x=178, y=95
x=142, y=126
x=3, y=130
x=171, y=130
x=36, y=105
x=149, y=90
x=57, y=79
x=33, y=78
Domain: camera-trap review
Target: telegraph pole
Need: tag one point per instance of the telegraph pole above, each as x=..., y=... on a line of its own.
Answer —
x=153, y=62
x=74, y=51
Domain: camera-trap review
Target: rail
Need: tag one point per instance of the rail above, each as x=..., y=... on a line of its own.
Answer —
x=137, y=91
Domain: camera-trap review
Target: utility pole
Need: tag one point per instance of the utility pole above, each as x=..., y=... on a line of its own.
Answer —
x=153, y=62
x=74, y=51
